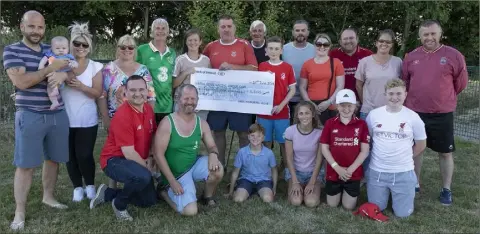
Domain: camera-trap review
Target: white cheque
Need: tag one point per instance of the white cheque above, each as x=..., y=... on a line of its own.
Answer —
x=248, y=92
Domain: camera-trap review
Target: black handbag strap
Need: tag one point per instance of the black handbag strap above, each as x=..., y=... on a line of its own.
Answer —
x=331, y=78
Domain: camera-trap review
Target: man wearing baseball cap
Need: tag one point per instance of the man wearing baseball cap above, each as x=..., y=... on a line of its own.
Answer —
x=345, y=145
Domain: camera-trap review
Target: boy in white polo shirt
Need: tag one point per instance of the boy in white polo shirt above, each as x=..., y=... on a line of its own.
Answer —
x=398, y=136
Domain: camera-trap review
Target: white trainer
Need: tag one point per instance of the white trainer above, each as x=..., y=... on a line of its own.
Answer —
x=90, y=191
x=78, y=194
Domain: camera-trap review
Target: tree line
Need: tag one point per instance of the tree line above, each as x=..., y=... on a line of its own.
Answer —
x=109, y=20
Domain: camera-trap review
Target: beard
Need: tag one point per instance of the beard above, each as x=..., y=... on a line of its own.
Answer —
x=29, y=37
x=300, y=39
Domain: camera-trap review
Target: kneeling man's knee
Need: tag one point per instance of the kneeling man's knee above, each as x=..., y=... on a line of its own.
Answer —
x=403, y=213
x=190, y=210
x=267, y=198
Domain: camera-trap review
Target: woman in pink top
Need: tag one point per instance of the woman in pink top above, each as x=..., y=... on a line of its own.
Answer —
x=304, y=157
x=375, y=71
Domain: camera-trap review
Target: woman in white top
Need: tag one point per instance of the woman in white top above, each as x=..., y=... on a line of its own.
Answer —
x=191, y=58
x=304, y=156
x=79, y=96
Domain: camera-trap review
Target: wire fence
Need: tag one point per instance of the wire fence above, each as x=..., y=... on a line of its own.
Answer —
x=467, y=115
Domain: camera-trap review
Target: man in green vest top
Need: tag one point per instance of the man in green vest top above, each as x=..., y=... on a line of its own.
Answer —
x=177, y=143
x=160, y=61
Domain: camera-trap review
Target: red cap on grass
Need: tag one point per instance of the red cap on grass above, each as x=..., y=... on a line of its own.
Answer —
x=372, y=211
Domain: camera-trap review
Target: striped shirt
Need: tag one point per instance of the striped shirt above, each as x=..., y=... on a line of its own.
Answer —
x=35, y=98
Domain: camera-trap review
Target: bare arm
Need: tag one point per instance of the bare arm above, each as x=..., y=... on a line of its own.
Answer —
x=162, y=138
x=233, y=179
x=289, y=159
x=103, y=109
x=364, y=148
x=208, y=139
x=130, y=154
x=303, y=89
x=419, y=147
x=340, y=84
x=318, y=164
x=42, y=63
x=24, y=80
x=326, y=153
x=290, y=94
x=96, y=90
x=359, y=86
x=274, y=179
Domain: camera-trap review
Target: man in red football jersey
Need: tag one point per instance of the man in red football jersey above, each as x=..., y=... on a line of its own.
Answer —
x=229, y=53
x=350, y=53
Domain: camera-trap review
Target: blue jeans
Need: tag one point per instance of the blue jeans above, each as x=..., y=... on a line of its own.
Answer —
x=138, y=188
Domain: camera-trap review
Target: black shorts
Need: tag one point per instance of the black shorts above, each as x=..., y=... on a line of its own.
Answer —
x=292, y=106
x=439, y=129
x=352, y=187
x=160, y=116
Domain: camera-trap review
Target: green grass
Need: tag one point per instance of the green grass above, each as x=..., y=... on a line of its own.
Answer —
x=253, y=215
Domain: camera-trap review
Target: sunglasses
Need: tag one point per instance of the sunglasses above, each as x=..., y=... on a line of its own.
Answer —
x=126, y=47
x=78, y=44
x=325, y=45
x=385, y=41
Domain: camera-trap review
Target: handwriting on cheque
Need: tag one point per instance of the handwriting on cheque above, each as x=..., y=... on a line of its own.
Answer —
x=255, y=92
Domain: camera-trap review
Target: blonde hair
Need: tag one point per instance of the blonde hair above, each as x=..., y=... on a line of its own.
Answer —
x=323, y=35
x=80, y=30
x=394, y=83
x=127, y=39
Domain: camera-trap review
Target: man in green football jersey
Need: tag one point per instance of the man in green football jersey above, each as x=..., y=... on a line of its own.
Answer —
x=160, y=61
x=177, y=143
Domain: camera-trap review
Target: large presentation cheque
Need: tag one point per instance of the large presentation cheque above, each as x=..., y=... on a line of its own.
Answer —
x=248, y=92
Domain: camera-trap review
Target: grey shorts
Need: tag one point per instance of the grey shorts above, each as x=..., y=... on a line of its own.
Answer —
x=37, y=134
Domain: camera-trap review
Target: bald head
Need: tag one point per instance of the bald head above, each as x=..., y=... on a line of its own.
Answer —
x=31, y=14
x=32, y=27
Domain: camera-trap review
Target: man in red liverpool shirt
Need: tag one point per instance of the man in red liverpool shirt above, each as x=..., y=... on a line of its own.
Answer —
x=350, y=53
x=434, y=75
x=229, y=53
x=126, y=150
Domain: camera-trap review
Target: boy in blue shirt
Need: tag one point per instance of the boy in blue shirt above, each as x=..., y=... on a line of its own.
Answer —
x=255, y=169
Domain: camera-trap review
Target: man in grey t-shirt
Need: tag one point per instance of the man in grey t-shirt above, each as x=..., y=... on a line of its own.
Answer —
x=296, y=53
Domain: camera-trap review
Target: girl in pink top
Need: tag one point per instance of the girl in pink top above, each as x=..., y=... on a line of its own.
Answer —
x=304, y=157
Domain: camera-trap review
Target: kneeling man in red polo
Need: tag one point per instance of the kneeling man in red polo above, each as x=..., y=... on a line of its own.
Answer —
x=125, y=153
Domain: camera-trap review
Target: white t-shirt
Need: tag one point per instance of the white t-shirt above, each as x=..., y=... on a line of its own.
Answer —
x=82, y=109
x=393, y=135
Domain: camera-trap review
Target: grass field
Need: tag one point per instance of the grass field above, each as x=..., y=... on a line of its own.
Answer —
x=252, y=216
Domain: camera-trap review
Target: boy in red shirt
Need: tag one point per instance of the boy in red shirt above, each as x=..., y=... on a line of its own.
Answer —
x=345, y=146
x=279, y=120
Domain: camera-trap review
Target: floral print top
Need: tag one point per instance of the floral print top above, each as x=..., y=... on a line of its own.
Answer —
x=114, y=80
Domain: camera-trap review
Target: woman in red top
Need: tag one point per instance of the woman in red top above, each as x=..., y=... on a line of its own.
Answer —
x=321, y=78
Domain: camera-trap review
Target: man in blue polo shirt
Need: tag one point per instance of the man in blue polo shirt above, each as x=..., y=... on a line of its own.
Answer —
x=37, y=128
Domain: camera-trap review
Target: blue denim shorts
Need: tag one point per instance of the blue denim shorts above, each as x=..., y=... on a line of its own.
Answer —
x=304, y=177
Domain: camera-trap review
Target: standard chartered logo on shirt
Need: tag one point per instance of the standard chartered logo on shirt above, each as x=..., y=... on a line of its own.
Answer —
x=162, y=74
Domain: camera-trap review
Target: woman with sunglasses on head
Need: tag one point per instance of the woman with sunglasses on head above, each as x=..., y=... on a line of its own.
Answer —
x=373, y=73
x=79, y=96
x=115, y=74
x=321, y=78
x=186, y=63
